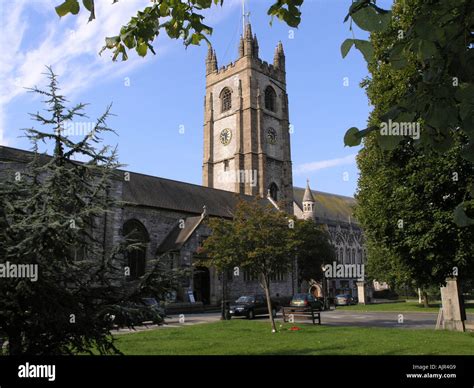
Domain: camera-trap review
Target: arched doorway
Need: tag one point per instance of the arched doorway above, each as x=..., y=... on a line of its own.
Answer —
x=202, y=284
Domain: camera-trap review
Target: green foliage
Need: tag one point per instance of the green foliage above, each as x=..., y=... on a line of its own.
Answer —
x=266, y=242
x=312, y=249
x=408, y=193
x=438, y=42
x=290, y=14
x=52, y=217
x=256, y=240
x=179, y=19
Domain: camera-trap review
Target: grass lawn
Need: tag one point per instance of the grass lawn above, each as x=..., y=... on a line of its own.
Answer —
x=243, y=337
x=401, y=307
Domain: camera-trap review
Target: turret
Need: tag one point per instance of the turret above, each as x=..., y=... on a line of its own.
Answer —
x=250, y=44
x=211, y=61
x=241, y=47
x=308, y=203
x=279, y=57
x=255, y=46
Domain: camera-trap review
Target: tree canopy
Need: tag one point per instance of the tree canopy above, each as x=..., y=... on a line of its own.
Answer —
x=407, y=194
x=177, y=18
x=438, y=43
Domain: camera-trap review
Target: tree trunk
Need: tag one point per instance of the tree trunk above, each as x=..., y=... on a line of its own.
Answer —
x=223, y=302
x=14, y=343
x=425, y=299
x=266, y=287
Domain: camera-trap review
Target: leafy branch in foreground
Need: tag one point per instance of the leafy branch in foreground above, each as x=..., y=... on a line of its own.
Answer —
x=179, y=19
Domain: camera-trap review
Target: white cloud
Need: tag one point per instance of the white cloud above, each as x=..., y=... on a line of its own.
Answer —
x=324, y=164
x=70, y=45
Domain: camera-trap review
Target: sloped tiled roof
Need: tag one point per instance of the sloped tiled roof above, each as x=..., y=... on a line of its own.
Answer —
x=164, y=193
x=328, y=206
x=146, y=190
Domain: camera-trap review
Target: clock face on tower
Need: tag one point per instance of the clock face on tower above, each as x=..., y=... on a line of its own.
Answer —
x=271, y=136
x=225, y=136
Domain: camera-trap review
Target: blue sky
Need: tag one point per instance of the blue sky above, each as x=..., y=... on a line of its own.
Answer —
x=156, y=97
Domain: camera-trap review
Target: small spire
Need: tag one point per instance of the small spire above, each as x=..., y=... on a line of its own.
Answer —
x=248, y=31
x=279, y=57
x=255, y=46
x=211, y=61
x=214, y=61
x=280, y=48
x=308, y=195
x=241, y=47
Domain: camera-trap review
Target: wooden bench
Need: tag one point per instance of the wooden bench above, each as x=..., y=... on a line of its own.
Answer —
x=304, y=312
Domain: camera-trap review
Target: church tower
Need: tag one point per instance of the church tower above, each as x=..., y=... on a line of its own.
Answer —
x=246, y=124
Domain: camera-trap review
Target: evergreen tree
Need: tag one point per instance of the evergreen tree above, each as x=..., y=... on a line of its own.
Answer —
x=52, y=213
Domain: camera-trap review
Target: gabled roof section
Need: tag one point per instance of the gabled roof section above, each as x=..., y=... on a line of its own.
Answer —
x=178, y=236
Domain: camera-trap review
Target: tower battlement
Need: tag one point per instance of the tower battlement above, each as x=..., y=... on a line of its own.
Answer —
x=248, y=57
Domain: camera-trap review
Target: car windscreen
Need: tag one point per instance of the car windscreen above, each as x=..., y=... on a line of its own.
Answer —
x=245, y=299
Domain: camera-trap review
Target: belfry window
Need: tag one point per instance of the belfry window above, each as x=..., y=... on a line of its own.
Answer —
x=226, y=99
x=270, y=99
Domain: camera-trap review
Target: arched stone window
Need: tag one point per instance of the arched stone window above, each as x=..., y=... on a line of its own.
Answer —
x=273, y=191
x=137, y=238
x=270, y=99
x=226, y=99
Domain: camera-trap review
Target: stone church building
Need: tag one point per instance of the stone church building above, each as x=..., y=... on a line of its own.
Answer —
x=247, y=153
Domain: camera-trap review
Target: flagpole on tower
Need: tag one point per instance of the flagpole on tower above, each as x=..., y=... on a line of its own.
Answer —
x=243, y=17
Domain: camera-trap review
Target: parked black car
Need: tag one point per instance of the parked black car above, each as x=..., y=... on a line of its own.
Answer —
x=250, y=306
x=306, y=300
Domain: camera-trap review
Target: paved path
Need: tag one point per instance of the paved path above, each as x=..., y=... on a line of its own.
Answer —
x=411, y=320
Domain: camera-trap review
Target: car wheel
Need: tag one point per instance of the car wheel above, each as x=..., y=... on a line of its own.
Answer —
x=274, y=313
x=251, y=314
